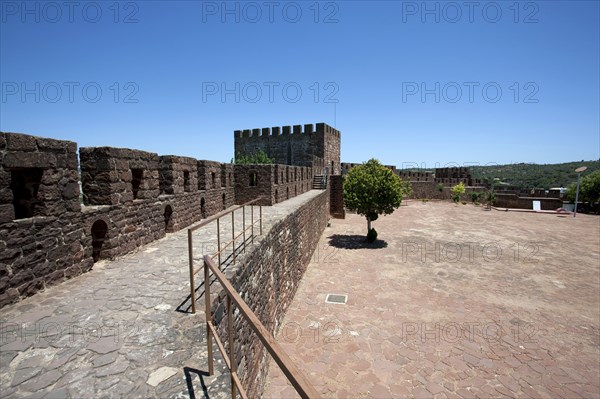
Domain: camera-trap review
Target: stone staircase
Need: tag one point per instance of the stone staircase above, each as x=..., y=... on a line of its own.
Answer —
x=319, y=182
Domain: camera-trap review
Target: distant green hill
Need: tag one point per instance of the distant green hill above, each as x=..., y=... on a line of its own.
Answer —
x=526, y=175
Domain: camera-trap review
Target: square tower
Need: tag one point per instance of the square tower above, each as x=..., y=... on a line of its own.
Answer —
x=298, y=145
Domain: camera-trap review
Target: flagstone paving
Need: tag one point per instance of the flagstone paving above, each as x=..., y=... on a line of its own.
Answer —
x=452, y=302
x=121, y=330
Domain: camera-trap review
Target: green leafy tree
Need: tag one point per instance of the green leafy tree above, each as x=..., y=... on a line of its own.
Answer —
x=589, y=189
x=258, y=157
x=490, y=198
x=440, y=187
x=475, y=196
x=457, y=192
x=371, y=190
x=571, y=191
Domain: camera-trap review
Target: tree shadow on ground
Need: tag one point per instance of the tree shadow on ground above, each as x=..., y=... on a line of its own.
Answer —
x=354, y=241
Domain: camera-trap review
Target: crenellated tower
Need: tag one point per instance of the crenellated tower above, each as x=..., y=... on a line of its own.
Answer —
x=309, y=145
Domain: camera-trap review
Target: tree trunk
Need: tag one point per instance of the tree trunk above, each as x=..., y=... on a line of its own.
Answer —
x=368, y=225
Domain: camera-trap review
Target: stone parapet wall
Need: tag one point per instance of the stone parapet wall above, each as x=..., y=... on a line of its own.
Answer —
x=42, y=239
x=126, y=227
x=50, y=168
x=130, y=198
x=431, y=190
x=271, y=183
x=267, y=279
x=446, y=176
x=514, y=201
x=177, y=175
x=113, y=176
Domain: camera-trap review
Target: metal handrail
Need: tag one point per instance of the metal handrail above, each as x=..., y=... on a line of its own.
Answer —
x=220, y=248
x=294, y=376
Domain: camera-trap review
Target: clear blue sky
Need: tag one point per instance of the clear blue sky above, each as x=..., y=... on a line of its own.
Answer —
x=173, y=60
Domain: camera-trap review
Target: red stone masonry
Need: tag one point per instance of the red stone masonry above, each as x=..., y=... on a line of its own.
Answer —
x=51, y=230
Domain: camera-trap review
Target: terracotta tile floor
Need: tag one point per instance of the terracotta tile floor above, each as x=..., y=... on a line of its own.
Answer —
x=453, y=302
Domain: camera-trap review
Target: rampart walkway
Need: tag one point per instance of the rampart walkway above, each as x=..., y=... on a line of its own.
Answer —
x=123, y=329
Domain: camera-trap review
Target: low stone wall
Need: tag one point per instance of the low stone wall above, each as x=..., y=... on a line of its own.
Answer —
x=514, y=201
x=117, y=230
x=267, y=279
x=428, y=190
x=113, y=176
x=271, y=183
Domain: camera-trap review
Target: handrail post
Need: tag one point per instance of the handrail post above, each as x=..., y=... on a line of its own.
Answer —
x=219, y=241
x=191, y=262
x=232, y=361
x=244, y=226
x=252, y=218
x=233, y=235
x=208, y=311
x=260, y=208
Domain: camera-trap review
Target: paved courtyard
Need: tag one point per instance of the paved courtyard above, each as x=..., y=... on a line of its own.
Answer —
x=452, y=302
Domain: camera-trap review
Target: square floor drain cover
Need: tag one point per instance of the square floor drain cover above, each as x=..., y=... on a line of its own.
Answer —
x=335, y=298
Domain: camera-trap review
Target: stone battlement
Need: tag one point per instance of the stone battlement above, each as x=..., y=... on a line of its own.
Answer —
x=296, y=145
x=59, y=215
x=287, y=130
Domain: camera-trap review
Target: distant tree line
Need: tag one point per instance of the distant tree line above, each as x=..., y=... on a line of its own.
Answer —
x=527, y=176
x=589, y=188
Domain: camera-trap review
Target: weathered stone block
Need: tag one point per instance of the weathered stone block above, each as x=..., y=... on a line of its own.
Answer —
x=5, y=178
x=31, y=287
x=67, y=161
x=7, y=213
x=29, y=160
x=48, y=193
x=6, y=196
x=71, y=191
x=45, y=144
x=20, y=142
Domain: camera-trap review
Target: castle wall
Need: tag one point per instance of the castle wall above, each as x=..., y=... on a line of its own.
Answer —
x=274, y=183
x=254, y=181
x=130, y=198
x=331, y=148
x=268, y=277
x=297, y=145
x=41, y=234
x=114, y=176
x=115, y=230
x=514, y=201
x=431, y=190
x=177, y=175
x=415, y=176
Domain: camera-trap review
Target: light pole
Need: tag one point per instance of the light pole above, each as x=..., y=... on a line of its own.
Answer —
x=578, y=170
